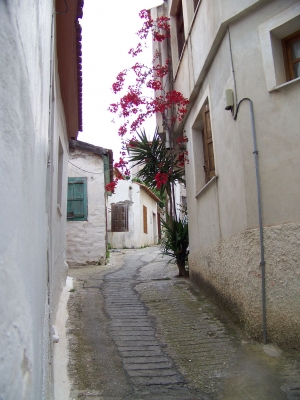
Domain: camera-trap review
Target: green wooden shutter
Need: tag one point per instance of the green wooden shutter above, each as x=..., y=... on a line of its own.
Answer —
x=106, y=172
x=77, y=199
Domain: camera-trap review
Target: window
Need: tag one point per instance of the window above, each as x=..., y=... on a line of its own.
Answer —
x=195, y=4
x=180, y=28
x=208, y=148
x=280, y=48
x=159, y=226
x=145, y=219
x=203, y=149
x=77, y=199
x=291, y=54
x=119, y=217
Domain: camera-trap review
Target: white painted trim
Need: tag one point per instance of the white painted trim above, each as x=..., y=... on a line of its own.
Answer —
x=284, y=85
x=213, y=179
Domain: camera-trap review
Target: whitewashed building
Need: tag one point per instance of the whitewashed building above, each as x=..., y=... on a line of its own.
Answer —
x=133, y=216
x=238, y=62
x=89, y=171
x=40, y=110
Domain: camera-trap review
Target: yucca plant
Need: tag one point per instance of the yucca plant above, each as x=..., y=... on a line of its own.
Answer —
x=156, y=160
x=175, y=243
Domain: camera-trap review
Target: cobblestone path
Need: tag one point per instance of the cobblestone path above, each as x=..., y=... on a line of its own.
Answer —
x=136, y=332
x=149, y=368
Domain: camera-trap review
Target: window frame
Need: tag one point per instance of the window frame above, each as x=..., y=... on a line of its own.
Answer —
x=180, y=28
x=287, y=55
x=271, y=33
x=208, y=146
x=81, y=181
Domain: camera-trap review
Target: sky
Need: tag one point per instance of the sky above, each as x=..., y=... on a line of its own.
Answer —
x=108, y=32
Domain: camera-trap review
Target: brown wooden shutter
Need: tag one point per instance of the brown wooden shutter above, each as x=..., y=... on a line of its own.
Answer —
x=145, y=219
x=208, y=145
x=291, y=58
x=180, y=28
x=119, y=217
x=159, y=226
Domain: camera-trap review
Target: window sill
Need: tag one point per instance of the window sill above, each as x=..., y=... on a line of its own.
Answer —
x=59, y=210
x=284, y=85
x=213, y=179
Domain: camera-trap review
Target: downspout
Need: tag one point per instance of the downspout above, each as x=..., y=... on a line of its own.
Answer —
x=255, y=153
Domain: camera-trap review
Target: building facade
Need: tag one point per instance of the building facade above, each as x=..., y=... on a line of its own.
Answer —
x=239, y=65
x=88, y=172
x=133, y=216
x=37, y=120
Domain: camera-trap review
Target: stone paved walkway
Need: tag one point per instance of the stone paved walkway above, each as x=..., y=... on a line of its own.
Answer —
x=137, y=332
x=150, y=370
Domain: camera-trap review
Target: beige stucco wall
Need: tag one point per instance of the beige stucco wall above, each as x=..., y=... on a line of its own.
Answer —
x=32, y=234
x=136, y=197
x=231, y=267
x=225, y=212
x=86, y=240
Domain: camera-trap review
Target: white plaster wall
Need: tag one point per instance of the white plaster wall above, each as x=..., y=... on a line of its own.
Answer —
x=86, y=240
x=26, y=234
x=57, y=214
x=131, y=192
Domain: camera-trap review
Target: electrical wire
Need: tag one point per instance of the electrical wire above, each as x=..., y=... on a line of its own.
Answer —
x=89, y=172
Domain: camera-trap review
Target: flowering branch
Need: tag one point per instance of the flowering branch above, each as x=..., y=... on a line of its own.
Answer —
x=134, y=107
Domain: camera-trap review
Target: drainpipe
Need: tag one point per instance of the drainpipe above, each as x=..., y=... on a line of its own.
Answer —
x=255, y=153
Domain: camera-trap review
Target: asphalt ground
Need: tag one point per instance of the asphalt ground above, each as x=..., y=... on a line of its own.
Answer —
x=136, y=331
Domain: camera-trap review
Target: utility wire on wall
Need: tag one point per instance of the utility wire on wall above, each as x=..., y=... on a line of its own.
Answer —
x=89, y=172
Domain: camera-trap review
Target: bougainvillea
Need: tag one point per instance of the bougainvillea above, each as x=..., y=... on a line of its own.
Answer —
x=160, y=162
x=134, y=107
x=161, y=179
x=120, y=171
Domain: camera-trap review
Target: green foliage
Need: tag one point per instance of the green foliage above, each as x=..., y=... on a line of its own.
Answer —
x=175, y=242
x=154, y=157
x=156, y=160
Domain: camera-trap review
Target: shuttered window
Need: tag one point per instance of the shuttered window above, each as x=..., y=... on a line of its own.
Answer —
x=195, y=4
x=119, y=217
x=77, y=199
x=180, y=28
x=159, y=226
x=291, y=53
x=145, y=219
x=208, y=147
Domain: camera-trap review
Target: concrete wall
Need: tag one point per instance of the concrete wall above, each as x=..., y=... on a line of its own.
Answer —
x=224, y=251
x=136, y=197
x=32, y=245
x=86, y=240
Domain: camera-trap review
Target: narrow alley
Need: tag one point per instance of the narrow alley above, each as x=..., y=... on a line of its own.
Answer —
x=137, y=332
